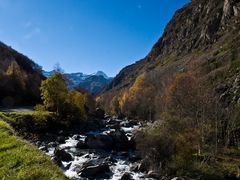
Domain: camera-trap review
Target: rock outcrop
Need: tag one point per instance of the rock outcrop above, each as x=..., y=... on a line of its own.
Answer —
x=62, y=155
x=95, y=171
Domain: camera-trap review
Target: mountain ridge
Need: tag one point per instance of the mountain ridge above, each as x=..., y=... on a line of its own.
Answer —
x=198, y=24
x=93, y=83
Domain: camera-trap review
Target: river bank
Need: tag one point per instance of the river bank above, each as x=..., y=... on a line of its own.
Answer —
x=107, y=153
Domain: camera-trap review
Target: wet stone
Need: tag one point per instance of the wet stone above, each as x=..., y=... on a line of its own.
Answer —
x=126, y=176
x=62, y=155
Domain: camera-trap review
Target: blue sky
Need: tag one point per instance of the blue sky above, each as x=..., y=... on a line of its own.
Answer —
x=85, y=35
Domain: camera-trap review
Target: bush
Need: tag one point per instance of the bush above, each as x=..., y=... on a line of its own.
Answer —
x=39, y=107
x=156, y=144
x=31, y=121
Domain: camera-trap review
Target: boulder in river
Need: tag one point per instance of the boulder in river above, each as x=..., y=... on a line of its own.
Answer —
x=114, y=140
x=57, y=161
x=126, y=176
x=62, y=155
x=68, y=166
x=95, y=171
x=82, y=145
x=153, y=174
x=100, y=141
x=61, y=139
x=120, y=140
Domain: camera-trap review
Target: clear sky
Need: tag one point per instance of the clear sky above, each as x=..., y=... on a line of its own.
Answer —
x=85, y=35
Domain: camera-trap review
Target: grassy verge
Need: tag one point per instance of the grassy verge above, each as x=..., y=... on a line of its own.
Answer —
x=31, y=122
x=21, y=160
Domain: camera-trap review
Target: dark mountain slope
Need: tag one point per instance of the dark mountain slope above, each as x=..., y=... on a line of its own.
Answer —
x=94, y=84
x=20, y=78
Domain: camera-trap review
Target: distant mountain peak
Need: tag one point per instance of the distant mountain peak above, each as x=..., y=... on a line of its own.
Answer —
x=94, y=82
x=101, y=73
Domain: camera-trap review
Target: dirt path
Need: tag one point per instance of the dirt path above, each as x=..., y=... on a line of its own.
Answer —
x=17, y=109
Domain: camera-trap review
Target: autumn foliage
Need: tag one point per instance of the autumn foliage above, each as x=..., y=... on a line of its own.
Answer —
x=70, y=106
x=136, y=101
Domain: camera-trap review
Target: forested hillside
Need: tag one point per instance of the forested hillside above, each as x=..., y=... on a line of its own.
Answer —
x=201, y=41
x=20, y=78
x=188, y=86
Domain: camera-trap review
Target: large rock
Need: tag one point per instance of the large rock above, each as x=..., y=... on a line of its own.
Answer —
x=152, y=174
x=120, y=140
x=115, y=140
x=95, y=171
x=62, y=155
x=82, y=145
x=126, y=176
x=99, y=141
x=61, y=139
x=57, y=161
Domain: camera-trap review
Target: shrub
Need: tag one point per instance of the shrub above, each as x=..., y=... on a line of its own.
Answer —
x=156, y=144
x=39, y=107
x=31, y=121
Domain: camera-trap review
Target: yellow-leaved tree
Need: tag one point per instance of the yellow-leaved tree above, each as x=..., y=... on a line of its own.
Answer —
x=137, y=101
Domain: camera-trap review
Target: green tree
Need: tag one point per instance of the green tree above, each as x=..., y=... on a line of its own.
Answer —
x=54, y=93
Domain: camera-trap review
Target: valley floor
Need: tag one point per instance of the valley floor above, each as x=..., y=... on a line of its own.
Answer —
x=21, y=160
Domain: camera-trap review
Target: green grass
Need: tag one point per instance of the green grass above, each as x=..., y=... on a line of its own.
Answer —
x=21, y=160
x=29, y=121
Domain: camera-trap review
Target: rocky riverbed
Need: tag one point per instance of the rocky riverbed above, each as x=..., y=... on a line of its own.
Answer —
x=106, y=153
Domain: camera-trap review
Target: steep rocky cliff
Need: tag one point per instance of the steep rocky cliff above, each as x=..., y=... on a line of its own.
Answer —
x=197, y=30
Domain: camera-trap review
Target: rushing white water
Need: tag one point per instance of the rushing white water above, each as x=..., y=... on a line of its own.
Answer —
x=72, y=168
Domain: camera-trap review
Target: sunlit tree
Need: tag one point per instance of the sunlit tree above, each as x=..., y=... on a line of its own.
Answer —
x=54, y=92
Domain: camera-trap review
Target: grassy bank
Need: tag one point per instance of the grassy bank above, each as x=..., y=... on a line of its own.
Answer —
x=21, y=160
